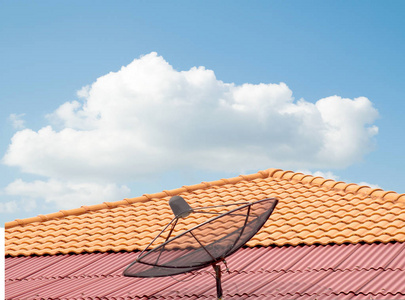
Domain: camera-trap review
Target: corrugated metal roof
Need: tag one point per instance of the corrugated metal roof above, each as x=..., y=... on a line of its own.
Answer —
x=352, y=271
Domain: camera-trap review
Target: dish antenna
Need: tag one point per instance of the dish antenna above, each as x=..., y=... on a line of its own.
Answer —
x=208, y=243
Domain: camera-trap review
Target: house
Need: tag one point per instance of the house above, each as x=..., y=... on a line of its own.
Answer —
x=325, y=240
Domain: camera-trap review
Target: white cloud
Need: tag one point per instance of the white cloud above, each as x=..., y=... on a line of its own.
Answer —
x=17, y=120
x=346, y=128
x=148, y=118
x=65, y=195
x=84, y=92
x=8, y=207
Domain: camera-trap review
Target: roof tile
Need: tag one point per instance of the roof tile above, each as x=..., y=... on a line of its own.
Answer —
x=311, y=210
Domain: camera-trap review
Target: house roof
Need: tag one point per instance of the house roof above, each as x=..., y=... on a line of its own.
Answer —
x=311, y=210
x=347, y=271
x=325, y=240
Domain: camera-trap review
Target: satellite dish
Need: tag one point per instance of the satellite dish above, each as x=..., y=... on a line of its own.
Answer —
x=208, y=243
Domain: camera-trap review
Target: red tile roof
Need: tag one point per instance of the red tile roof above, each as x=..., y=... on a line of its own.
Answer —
x=374, y=271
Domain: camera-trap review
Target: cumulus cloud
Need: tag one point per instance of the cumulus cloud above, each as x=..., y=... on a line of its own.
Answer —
x=8, y=207
x=65, y=195
x=17, y=120
x=12, y=206
x=148, y=118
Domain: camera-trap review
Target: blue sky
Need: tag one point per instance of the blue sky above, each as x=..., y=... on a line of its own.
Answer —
x=278, y=89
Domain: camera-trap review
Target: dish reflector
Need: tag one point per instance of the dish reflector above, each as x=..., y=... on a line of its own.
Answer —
x=205, y=244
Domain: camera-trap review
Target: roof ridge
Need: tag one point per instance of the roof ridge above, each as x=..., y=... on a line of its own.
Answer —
x=276, y=173
x=354, y=188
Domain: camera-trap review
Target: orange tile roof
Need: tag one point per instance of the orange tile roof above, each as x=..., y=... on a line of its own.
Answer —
x=311, y=210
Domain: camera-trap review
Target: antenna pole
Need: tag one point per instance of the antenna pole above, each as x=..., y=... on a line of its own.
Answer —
x=217, y=269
